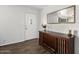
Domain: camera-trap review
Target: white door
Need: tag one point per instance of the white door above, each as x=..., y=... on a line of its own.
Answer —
x=30, y=26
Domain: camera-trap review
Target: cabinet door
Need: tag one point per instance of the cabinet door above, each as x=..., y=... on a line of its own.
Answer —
x=52, y=42
x=49, y=40
x=40, y=37
x=45, y=38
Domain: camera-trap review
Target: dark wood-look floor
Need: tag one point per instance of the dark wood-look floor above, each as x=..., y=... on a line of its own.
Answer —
x=26, y=47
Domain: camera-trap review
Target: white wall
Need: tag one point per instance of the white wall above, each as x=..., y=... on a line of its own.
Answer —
x=12, y=23
x=63, y=28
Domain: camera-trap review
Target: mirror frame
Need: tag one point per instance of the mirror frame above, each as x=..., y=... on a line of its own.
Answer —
x=60, y=10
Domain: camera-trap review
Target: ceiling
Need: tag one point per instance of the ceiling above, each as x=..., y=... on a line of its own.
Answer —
x=38, y=6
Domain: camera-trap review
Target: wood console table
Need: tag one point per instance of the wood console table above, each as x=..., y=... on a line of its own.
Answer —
x=57, y=42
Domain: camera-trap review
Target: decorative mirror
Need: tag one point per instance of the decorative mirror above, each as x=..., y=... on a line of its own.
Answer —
x=66, y=15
